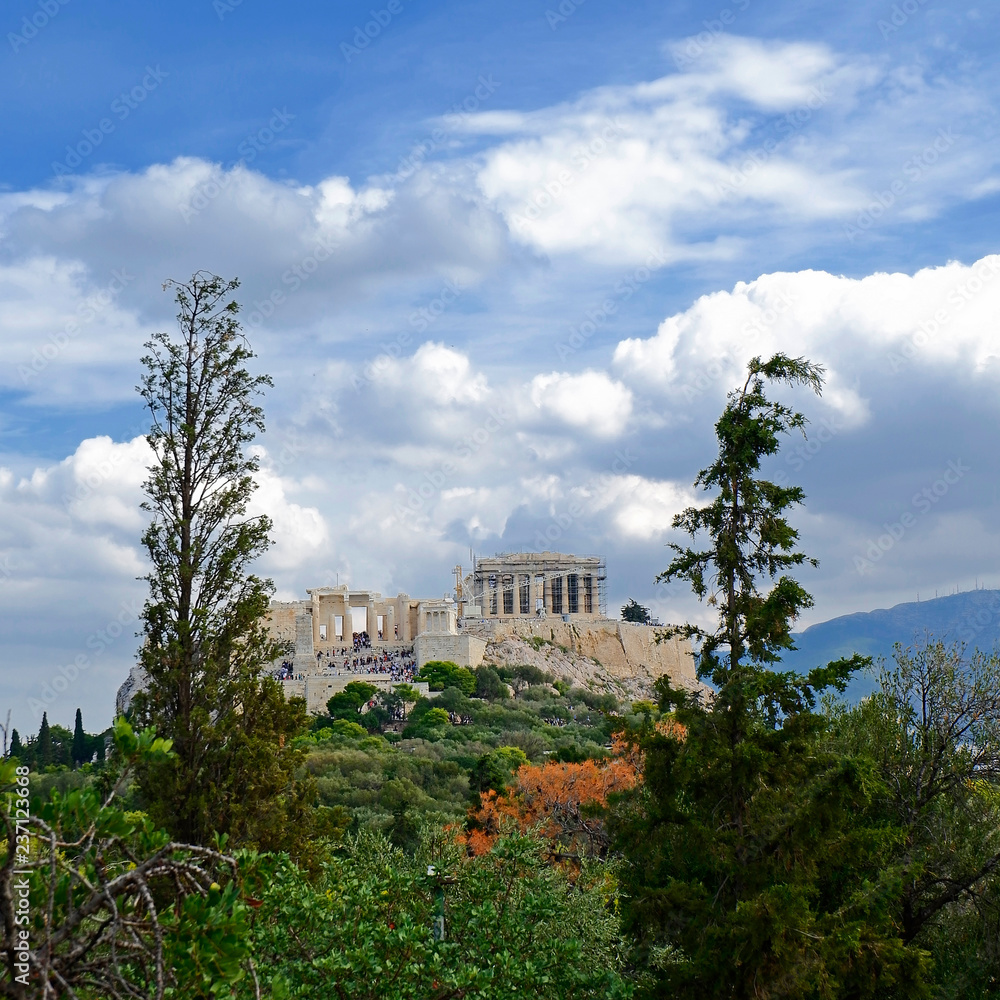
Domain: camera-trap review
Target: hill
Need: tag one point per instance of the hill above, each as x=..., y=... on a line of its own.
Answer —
x=972, y=617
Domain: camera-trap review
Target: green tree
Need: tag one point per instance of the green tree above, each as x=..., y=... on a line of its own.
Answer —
x=16, y=747
x=115, y=909
x=438, y=925
x=752, y=866
x=347, y=703
x=489, y=684
x=494, y=769
x=932, y=729
x=636, y=612
x=440, y=674
x=43, y=750
x=205, y=645
x=81, y=745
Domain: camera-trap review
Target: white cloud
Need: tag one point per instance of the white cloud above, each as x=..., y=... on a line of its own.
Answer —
x=877, y=325
x=626, y=169
x=591, y=402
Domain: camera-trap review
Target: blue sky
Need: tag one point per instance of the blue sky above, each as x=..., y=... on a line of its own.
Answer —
x=542, y=240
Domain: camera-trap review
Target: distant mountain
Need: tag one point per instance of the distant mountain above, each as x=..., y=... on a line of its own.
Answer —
x=972, y=618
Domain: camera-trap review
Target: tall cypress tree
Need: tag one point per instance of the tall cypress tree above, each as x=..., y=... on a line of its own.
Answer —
x=16, y=747
x=80, y=742
x=206, y=646
x=43, y=753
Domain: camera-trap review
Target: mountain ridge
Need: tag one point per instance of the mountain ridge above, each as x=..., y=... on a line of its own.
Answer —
x=971, y=617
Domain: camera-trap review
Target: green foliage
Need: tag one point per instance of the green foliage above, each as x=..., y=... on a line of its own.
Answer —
x=206, y=646
x=437, y=763
x=81, y=748
x=636, y=612
x=494, y=770
x=753, y=869
x=115, y=908
x=749, y=535
x=441, y=674
x=347, y=704
x=489, y=684
x=932, y=730
x=44, y=754
x=512, y=926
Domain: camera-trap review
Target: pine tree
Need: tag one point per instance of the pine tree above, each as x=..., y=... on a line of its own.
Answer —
x=16, y=747
x=80, y=742
x=752, y=869
x=205, y=644
x=43, y=752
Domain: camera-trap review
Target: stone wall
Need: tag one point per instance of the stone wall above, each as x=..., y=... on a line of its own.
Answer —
x=463, y=649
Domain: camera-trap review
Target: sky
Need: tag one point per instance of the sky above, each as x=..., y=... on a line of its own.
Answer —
x=503, y=262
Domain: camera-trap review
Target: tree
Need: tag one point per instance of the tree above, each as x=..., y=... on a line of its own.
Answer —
x=489, y=684
x=932, y=729
x=493, y=769
x=81, y=745
x=562, y=801
x=383, y=924
x=347, y=704
x=753, y=869
x=115, y=908
x=16, y=747
x=205, y=645
x=43, y=751
x=440, y=674
x=636, y=612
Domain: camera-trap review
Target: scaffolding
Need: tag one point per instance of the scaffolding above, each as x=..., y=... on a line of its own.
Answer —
x=537, y=584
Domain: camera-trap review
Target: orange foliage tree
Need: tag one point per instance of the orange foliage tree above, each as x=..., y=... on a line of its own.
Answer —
x=563, y=801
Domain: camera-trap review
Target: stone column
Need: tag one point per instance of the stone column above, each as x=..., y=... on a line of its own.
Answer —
x=390, y=622
x=372, y=625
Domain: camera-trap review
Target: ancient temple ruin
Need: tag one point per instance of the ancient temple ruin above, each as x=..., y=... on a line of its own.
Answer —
x=535, y=585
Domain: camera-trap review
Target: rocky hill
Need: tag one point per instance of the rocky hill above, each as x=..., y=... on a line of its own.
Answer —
x=618, y=657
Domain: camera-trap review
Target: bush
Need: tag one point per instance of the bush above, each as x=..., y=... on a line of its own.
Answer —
x=440, y=674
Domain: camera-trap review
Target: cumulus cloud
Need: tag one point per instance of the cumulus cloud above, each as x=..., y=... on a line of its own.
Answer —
x=857, y=328
x=591, y=401
x=70, y=563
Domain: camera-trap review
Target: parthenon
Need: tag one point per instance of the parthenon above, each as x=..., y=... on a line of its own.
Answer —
x=533, y=585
